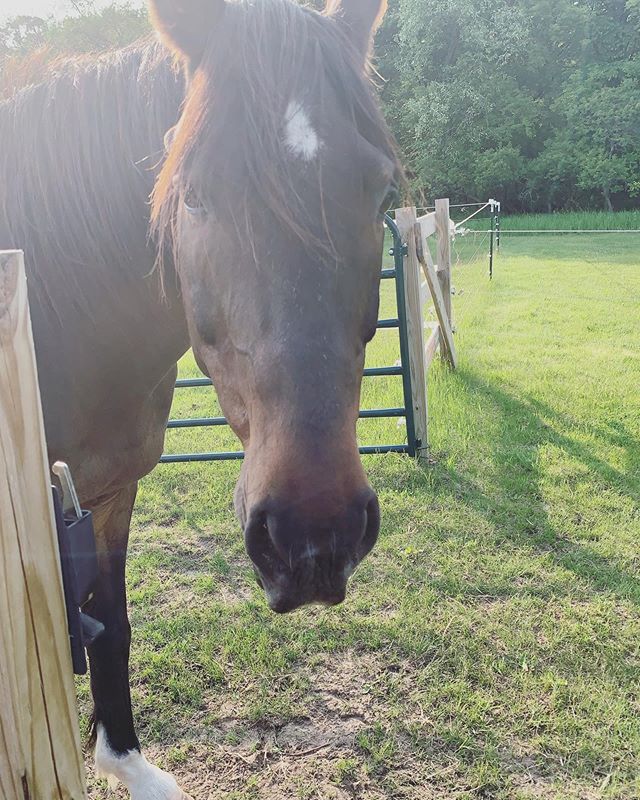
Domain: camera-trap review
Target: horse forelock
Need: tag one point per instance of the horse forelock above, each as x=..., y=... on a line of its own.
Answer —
x=262, y=58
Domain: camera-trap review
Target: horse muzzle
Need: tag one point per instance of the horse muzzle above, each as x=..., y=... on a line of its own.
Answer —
x=299, y=561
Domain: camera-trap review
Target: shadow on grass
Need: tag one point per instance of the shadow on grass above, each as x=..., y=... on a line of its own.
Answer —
x=526, y=427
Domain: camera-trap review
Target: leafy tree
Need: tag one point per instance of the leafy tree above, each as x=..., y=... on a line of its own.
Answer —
x=533, y=101
x=88, y=30
x=601, y=109
x=453, y=104
x=27, y=44
x=113, y=26
x=21, y=35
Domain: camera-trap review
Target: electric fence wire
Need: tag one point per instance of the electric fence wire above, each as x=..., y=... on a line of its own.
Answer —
x=469, y=273
x=567, y=230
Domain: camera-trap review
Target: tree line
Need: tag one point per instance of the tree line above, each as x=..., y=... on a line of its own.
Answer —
x=533, y=102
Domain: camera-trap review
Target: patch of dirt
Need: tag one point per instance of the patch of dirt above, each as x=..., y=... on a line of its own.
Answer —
x=316, y=757
x=330, y=752
x=532, y=784
x=229, y=594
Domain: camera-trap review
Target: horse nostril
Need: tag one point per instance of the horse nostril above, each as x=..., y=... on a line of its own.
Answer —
x=371, y=528
x=258, y=541
x=281, y=535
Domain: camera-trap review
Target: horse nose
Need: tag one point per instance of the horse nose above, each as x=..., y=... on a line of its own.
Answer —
x=301, y=558
x=324, y=534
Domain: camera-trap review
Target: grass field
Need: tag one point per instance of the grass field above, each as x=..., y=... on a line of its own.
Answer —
x=562, y=220
x=574, y=220
x=490, y=645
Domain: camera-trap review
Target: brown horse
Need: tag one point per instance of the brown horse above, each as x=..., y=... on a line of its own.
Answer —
x=266, y=232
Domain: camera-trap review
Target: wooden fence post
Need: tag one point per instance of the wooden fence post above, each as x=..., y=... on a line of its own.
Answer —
x=443, y=329
x=443, y=267
x=406, y=222
x=40, y=754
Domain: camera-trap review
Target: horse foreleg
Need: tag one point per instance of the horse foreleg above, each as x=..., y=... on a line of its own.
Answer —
x=117, y=750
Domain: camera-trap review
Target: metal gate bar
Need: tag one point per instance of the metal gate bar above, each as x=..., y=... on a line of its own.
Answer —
x=399, y=253
x=400, y=322
x=206, y=422
x=185, y=383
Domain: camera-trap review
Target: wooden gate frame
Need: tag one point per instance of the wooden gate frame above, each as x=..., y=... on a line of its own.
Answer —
x=416, y=233
x=40, y=754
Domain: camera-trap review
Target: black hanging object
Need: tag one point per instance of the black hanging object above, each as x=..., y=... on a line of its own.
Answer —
x=79, y=564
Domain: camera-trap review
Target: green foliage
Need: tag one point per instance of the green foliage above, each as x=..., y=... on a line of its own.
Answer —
x=89, y=30
x=114, y=26
x=602, y=109
x=22, y=34
x=532, y=101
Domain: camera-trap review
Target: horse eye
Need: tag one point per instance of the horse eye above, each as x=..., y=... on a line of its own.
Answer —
x=391, y=199
x=192, y=203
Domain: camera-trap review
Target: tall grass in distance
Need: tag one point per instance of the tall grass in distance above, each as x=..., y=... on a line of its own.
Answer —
x=574, y=220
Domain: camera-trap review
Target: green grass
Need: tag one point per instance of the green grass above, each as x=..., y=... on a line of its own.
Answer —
x=562, y=220
x=490, y=645
x=573, y=220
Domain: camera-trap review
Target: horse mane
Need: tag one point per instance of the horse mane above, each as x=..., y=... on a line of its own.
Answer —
x=18, y=70
x=80, y=152
x=270, y=52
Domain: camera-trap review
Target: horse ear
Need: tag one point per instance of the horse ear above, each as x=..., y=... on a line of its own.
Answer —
x=185, y=25
x=361, y=17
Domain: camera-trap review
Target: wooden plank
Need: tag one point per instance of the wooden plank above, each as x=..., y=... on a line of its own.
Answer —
x=425, y=295
x=431, y=347
x=443, y=233
x=406, y=222
x=40, y=754
x=427, y=224
x=447, y=346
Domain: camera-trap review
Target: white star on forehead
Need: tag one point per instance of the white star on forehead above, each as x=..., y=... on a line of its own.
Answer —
x=300, y=136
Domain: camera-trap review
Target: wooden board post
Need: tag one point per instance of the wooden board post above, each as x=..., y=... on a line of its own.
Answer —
x=443, y=268
x=406, y=222
x=447, y=346
x=431, y=347
x=40, y=754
